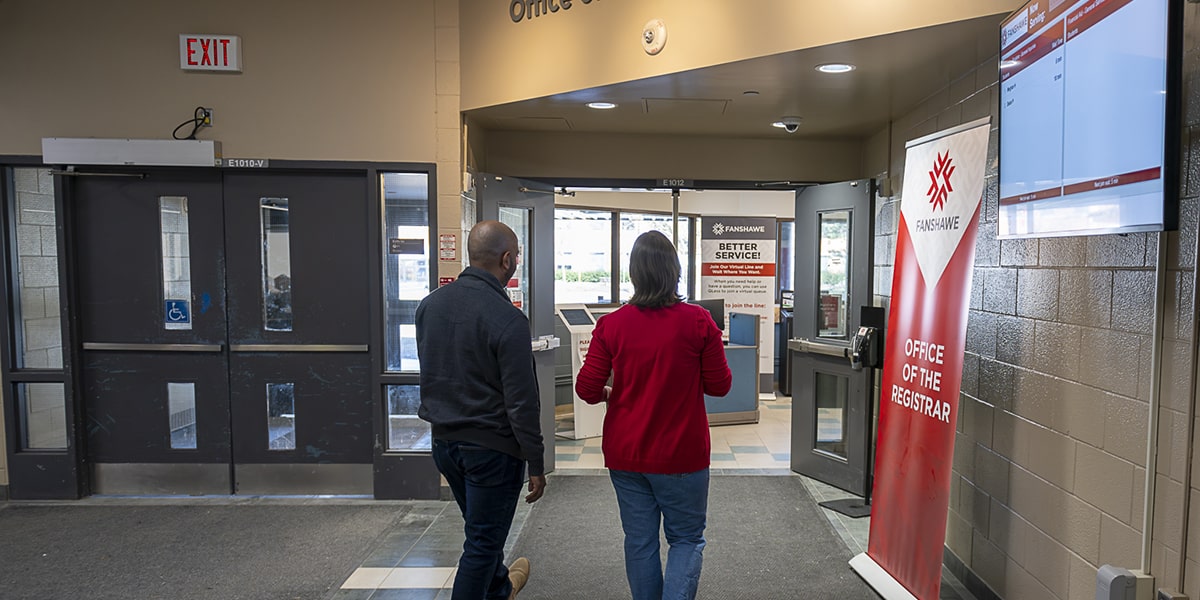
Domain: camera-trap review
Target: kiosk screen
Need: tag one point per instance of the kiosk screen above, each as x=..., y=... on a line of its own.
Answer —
x=576, y=316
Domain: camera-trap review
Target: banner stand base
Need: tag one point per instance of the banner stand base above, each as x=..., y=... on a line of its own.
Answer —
x=855, y=508
x=881, y=581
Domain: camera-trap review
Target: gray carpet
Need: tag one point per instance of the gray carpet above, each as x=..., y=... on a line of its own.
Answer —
x=766, y=540
x=200, y=552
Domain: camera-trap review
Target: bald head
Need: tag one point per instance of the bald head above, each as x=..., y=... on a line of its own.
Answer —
x=492, y=246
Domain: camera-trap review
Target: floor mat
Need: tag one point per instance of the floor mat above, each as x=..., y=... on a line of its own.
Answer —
x=224, y=552
x=766, y=540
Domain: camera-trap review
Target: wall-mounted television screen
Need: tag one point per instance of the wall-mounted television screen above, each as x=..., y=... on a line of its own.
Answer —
x=1089, y=121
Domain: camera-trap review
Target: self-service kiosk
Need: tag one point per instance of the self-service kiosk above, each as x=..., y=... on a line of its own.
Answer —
x=589, y=418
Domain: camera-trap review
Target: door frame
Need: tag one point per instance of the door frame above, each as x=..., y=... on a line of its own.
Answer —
x=64, y=474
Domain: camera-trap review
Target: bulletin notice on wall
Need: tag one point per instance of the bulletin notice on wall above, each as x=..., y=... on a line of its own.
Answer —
x=738, y=266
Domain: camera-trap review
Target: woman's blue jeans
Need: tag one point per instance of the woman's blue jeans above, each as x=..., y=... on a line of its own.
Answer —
x=486, y=485
x=682, y=503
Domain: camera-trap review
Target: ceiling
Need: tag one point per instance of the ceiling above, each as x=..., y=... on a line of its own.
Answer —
x=894, y=74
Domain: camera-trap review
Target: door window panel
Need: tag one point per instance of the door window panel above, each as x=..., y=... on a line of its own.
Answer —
x=834, y=292
x=406, y=431
x=582, y=256
x=277, y=265
x=43, y=416
x=176, y=262
x=281, y=416
x=38, y=323
x=406, y=263
x=181, y=404
x=519, y=220
x=832, y=393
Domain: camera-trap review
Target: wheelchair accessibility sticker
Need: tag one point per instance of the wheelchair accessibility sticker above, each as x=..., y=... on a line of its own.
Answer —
x=177, y=313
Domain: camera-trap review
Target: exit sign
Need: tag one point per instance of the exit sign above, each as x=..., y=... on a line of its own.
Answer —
x=208, y=52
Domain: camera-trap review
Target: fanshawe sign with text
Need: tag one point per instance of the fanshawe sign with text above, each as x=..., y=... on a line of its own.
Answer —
x=922, y=371
x=209, y=52
x=738, y=265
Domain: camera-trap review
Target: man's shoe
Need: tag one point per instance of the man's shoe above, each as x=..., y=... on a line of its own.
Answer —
x=518, y=574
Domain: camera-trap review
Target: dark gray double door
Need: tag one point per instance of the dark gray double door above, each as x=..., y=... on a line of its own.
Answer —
x=224, y=325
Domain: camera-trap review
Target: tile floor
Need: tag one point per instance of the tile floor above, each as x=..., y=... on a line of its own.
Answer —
x=417, y=559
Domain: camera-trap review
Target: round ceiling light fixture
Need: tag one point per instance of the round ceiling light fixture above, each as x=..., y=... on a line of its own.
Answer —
x=835, y=68
x=601, y=105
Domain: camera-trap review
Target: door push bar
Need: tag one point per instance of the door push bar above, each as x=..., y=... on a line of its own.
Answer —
x=865, y=351
x=545, y=342
x=811, y=347
x=152, y=347
x=298, y=347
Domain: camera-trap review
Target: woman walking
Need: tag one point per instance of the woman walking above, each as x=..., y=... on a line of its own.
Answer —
x=663, y=355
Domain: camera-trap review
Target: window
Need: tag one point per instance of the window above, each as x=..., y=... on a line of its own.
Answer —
x=634, y=225
x=785, y=271
x=406, y=263
x=582, y=256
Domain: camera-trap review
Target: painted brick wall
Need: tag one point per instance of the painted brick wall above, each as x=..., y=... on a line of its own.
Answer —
x=1051, y=447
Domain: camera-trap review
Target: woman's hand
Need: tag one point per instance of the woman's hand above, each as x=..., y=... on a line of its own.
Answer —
x=607, y=392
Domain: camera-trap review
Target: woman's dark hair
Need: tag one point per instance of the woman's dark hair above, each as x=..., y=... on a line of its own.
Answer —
x=654, y=270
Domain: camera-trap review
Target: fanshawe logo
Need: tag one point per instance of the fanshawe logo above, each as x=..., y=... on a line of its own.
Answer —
x=939, y=181
x=719, y=229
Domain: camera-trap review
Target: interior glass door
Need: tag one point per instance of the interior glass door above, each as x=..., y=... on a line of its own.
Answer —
x=831, y=401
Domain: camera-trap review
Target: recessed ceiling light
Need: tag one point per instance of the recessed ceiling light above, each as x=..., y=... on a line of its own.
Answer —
x=750, y=93
x=835, y=68
x=601, y=105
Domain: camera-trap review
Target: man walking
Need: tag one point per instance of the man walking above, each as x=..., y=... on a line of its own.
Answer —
x=479, y=391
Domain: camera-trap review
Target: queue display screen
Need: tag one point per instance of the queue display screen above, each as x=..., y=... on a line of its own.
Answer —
x=1086, y=122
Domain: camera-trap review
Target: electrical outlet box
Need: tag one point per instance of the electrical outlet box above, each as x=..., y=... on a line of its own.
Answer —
x=208, y=116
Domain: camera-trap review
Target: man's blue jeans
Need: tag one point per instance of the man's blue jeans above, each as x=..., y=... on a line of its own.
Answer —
x=682, y=502
x=486, y=485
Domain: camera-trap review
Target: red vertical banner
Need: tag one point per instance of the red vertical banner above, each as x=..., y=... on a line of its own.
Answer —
x=922, y=371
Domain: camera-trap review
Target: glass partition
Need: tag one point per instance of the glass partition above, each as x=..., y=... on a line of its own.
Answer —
x=37, y=323
x=582, y=256
x=834, y=248
x=634, y=225
x=832, y=392
x=406, y=263
x=176, y=262
x=181, y=403
x=407, y=432
x=786, y=269
x=43, y=416
x=520, y=221
x=281, y=416
x=276, y=264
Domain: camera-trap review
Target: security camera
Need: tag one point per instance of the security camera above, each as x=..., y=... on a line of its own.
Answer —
x=789, y=124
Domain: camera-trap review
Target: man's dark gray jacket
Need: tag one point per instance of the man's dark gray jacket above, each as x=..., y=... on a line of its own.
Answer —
x=478, y=382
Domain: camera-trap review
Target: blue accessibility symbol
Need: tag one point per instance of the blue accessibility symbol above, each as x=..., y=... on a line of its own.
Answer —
x=177, y=311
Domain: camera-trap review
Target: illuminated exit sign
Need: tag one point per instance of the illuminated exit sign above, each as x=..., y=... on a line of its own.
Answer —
x=207, y=52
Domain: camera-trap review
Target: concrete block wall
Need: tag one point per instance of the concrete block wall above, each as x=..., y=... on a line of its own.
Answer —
x=1049, y=465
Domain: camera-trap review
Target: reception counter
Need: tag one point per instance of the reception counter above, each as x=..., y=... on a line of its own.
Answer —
x=740, y=405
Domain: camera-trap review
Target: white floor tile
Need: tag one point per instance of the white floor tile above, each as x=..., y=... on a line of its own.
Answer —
x=366, y=578
x=419, y=577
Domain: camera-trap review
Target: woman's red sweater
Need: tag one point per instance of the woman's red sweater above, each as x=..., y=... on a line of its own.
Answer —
x=662, y=362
